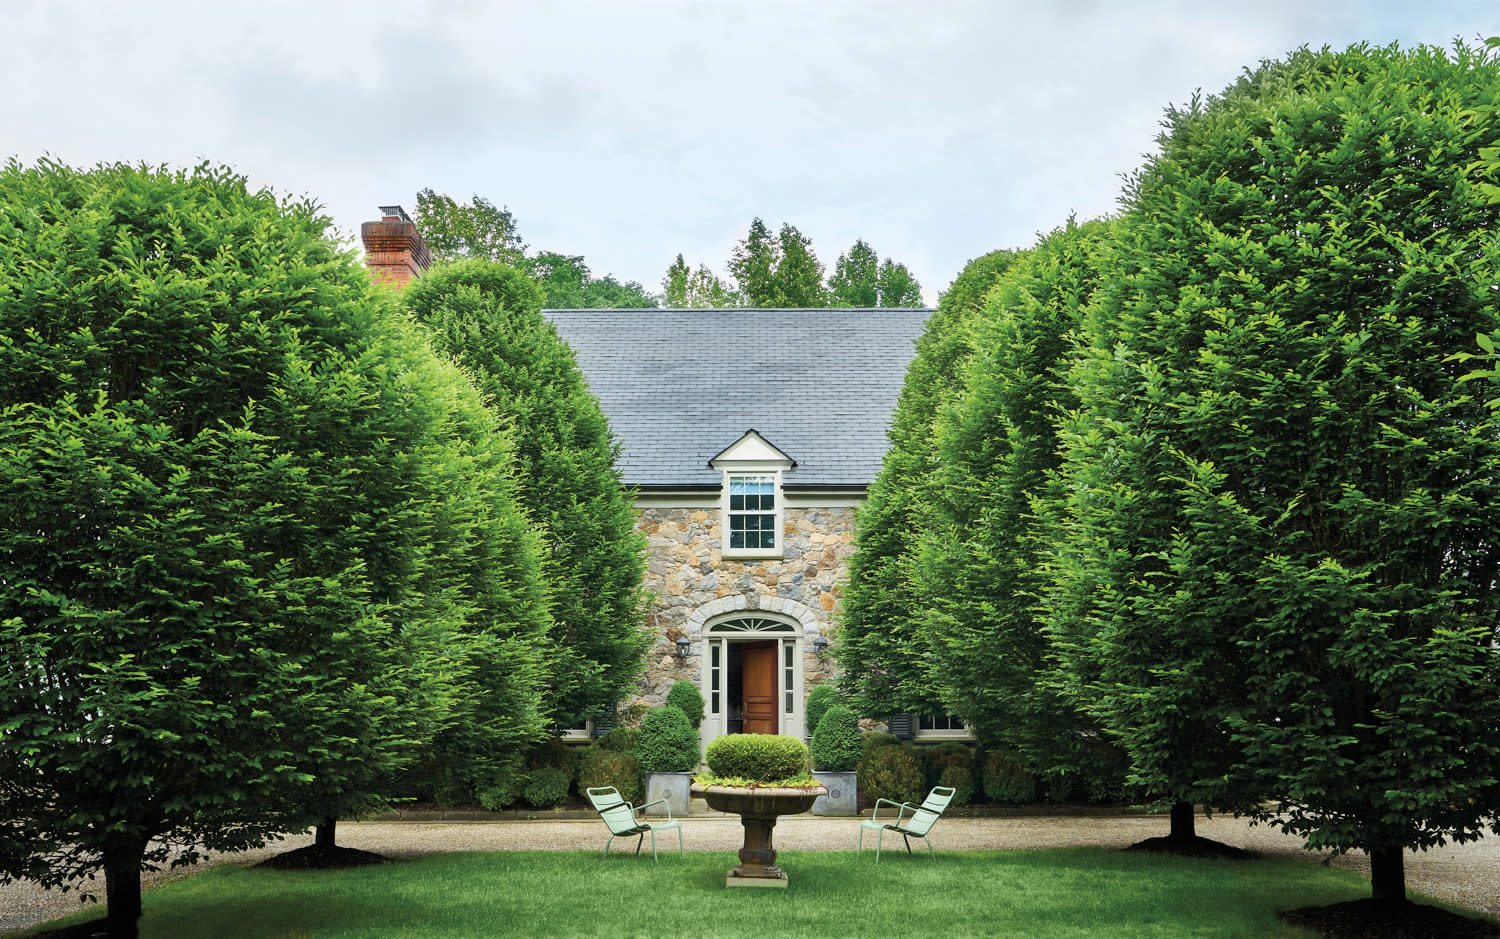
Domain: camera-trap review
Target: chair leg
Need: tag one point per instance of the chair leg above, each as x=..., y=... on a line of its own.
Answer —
x=639, y=838
x=861, y=845
x=680, y=852
x=908, y=842
x=880, y=839
x=653, y=847
x=607, y=844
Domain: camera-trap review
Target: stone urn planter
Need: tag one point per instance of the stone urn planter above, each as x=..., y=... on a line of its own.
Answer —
x=758, y=809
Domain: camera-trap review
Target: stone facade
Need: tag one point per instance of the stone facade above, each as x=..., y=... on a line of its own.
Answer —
x=691, y=581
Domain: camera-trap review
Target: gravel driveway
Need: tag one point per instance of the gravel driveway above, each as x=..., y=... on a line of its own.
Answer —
x=1468, y=875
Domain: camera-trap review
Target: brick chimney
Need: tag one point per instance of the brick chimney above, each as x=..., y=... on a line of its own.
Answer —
x=394, y=249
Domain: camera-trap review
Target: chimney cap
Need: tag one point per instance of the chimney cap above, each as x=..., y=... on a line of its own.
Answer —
x=394, y=213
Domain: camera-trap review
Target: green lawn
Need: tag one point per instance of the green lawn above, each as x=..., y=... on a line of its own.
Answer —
x=1074, y=892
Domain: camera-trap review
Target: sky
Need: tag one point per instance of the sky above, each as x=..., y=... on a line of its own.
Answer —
x=628, y=131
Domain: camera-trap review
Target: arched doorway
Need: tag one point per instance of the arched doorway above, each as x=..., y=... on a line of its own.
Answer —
x=752, y=675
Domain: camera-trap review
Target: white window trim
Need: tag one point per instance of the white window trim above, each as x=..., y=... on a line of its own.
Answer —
x=919, y=734
x=780, y=507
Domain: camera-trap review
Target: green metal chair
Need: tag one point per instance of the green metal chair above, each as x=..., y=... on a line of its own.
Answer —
x=913, y=821
x=621, y=818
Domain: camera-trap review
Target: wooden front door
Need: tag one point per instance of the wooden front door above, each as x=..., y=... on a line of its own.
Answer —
x=758, y=665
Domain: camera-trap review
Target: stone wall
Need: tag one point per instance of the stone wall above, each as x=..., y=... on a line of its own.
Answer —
x=687, y=572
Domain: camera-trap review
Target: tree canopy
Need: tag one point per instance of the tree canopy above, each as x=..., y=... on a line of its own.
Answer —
x=236, y=589
x=480, y=230
x=878, y=650
x=1279, y=579
x=783, y=271
x=488, y=318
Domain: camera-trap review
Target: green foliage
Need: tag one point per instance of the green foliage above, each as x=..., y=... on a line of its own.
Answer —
x=855, y=278
x=487, y=317
x=881, y=739
x=891, y=773
x=949, y=754
x=568, y=284
x=977, y=570
x=1489, y=356
x=502, y=790
x=686, y=288
x=455, y=230
x=881, y=656
x=777, y=272
x=620, y=740
x=961, y=780
x=898, y=288
x=602, y=767
x=837, y=745
x=479, y=231
x=819, y=700
x=668, y=743
x=547, y=787
x=1282, y=582
x=554, y=754
x=258, y=545
x=685, y=696
x=760, y=757
x=1007, y=778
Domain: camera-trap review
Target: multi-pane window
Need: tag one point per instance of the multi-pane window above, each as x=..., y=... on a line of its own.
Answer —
x=752, y=512
x=935, y=722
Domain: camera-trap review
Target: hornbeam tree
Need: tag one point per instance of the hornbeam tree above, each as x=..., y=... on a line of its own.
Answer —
x=223, y=465
x=488, y=318
x=977, y=574
x=1279, y=580
x=879, y=651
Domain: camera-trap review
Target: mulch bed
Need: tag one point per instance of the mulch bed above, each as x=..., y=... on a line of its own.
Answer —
x=1369, y=919
x=1192, y=847
x=316, y=858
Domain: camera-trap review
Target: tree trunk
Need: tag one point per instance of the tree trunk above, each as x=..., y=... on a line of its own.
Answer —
x=122, y=889
x=323, y=833
x=1388, y=875
x=1182, y=822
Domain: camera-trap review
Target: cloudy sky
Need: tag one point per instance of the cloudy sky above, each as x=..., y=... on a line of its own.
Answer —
x=630, y=130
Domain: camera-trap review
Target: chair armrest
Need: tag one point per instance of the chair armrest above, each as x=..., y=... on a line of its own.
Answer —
x=648, y=805
x=878, y=802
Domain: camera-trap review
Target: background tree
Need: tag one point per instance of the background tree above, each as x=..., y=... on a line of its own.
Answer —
x=878, y=648
x=897, y=287
x=455, y=230
x=799, y=273
x=488, y=318
x=567, y=284
x=686, y=288
x=855, y=281
x=977, y=577
x=1282, y=580
x=478, y=229
x=753, y=266
x=221, y=469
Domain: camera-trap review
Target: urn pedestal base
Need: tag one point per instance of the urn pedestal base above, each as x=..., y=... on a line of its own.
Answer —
x=758, y=810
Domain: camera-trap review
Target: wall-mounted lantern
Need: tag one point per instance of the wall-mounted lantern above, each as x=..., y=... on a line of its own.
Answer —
x=820, y=645
x=681, y=650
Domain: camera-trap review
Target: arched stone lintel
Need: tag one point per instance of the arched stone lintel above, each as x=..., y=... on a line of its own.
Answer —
x=739, y=602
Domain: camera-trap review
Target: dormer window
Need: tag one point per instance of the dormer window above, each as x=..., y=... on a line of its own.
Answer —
x=751, y=506
x=754, y=510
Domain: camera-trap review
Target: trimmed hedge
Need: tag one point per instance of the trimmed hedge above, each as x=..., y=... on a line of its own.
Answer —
x=891, y=773
x=548, y=787
x=685, y=697
x=837, y=745
x=819, y=701
x=880, y=739
x=604, y=767
x=761, y=757
x=620, y=740
x=962, y=781
x=668, y=743
x=1007, y=778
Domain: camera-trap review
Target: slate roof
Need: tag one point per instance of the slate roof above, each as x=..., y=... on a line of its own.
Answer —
x=679, y=386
